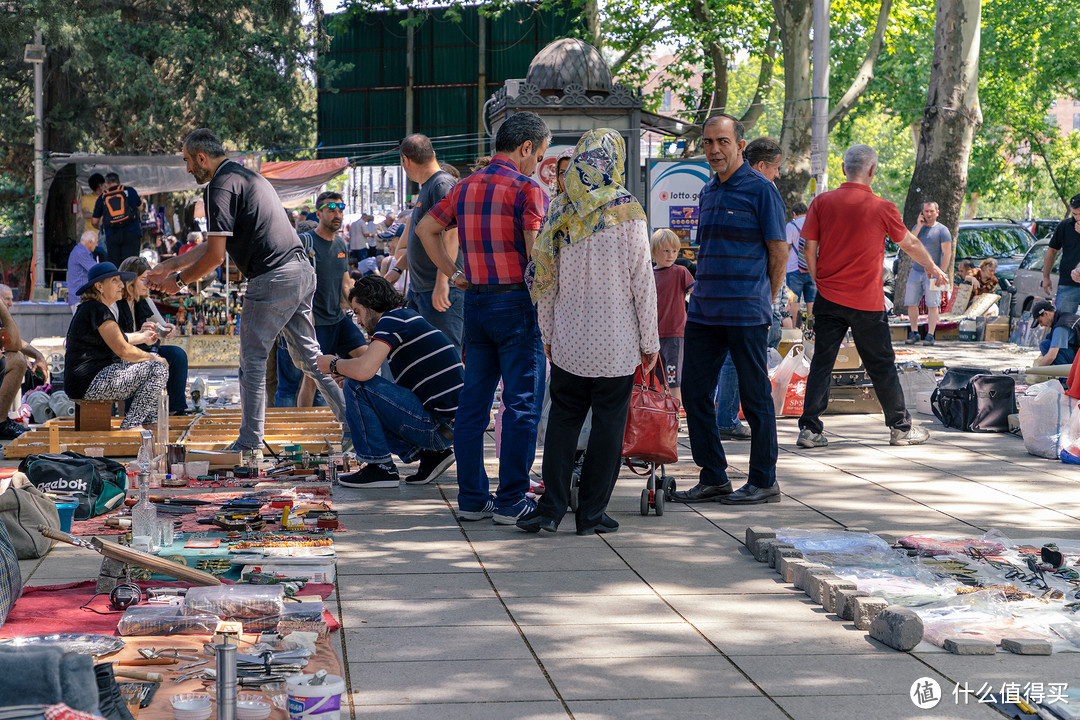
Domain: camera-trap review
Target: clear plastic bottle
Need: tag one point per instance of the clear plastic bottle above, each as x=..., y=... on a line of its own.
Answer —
x=143, y=516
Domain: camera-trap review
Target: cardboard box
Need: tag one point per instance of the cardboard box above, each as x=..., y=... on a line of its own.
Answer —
x=847, y=358
x=922, y=402
x=998, y=331
x=972, y=329
x=855, y=400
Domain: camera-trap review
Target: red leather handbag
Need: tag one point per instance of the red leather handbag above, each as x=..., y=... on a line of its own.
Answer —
x=652, y=425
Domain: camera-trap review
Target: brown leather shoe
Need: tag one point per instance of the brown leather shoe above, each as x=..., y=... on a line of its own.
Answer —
x=702, y=493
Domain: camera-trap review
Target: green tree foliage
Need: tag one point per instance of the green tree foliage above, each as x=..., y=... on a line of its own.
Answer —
x=135, y=77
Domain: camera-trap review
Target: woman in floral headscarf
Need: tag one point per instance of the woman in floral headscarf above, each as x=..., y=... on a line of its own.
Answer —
x=591, y=278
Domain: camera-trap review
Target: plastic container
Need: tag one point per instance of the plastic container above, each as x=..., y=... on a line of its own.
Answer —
x=315, y=702
x=197, y=468
x=67, y=514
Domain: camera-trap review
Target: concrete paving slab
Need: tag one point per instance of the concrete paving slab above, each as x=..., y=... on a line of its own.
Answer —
x=814, y=637
x=361, y=561
x=730, y=708
x=841, y=674
x=894, y=707
x=447, y=681
x=775, y=607
x=413, y=612
x=528, y=710
x=400, y=644
x=591, y=610
x=395, y=523
x=637, y=677
x=538, y=555
x=633, y=640
x=541, y=583
x=410, y=586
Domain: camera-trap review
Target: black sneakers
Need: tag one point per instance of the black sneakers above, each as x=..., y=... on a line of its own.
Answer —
x=372, y=475
x=9, y=429
x=433, y=463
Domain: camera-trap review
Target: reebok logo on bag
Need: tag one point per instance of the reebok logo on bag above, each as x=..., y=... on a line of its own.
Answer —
x=118, y=210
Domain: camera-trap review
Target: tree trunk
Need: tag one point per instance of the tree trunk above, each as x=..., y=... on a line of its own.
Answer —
x=592, y=23
x=949, y=120
x=795, y=18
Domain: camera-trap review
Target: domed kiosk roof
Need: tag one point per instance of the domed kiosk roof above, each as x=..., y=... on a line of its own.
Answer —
x=569, y=61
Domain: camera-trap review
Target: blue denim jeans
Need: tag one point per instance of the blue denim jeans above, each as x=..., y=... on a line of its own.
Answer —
x=450, y=322
x=502, y=339
x=727, y=397
x=385, y=418
x=1067, y=298
x=178, y=369
x=288, y=380
x=707, y=347
x=278, y=301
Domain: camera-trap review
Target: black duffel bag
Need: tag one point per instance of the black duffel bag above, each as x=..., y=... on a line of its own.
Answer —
x=99, y=483
x=974, y=400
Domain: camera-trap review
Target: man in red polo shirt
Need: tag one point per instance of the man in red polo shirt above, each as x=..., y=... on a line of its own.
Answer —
x=845, y=246
x=497, y=211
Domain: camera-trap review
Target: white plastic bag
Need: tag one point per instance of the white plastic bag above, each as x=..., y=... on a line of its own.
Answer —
x=1046, y=415
x=794, y=365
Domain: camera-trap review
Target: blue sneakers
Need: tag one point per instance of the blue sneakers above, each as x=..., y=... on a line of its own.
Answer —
x=487, y=511
x=509, y=514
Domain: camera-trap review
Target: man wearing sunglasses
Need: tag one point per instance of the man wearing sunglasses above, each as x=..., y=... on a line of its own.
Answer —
x=246, y=218
x=337, y=333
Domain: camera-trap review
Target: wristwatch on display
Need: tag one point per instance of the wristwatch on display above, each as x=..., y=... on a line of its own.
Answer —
x=180, y=284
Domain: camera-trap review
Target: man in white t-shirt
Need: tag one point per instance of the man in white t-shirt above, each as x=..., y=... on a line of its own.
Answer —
x=799, y=281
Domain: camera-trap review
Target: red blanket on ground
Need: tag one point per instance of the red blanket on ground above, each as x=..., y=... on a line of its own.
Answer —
x=56, y=609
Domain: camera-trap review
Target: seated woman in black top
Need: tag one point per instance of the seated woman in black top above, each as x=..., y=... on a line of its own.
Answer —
x=100, y=364
x=134, y=311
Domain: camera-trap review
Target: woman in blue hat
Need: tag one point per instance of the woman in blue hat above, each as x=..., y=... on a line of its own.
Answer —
x=100, y=363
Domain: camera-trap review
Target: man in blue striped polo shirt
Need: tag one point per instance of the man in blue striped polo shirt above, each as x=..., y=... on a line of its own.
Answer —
x=742, y=257
x=411, y=417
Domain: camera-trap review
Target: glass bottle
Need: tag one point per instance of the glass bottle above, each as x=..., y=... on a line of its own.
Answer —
x=143, y=516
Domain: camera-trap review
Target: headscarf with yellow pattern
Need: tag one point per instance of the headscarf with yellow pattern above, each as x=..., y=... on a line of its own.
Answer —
x=594, y=199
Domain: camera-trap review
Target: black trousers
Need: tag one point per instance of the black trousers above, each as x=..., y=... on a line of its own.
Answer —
x=874, y=343
x=571, y=399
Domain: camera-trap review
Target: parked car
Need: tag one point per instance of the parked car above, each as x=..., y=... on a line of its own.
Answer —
x=1041, y=229
x=1005, y=241
x=1027, y=282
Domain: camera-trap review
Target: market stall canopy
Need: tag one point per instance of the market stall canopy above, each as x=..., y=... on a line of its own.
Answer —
x=148, y=174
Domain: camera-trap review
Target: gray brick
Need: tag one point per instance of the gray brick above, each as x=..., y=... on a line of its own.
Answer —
x=828, y=595
x=970, y=647
x=856, y=530
x=802, y=571
x=778, y=551
x=844, y=602
x=1027, y=646
x=787, y=566
x=763, y=548
x=817, y=585
x=754, y=534
x=898, y=627
x=866, y=609
x=888, y=537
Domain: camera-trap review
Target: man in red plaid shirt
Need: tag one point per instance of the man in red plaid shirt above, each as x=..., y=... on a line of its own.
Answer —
x=497, y=211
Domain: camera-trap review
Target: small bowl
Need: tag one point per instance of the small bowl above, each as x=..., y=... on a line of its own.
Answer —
x=250, y=706
x=190, y=706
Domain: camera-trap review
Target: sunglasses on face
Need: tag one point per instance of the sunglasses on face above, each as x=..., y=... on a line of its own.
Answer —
x=333, y=206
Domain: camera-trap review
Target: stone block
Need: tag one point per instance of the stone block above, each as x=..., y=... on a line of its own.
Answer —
x=866, y=609
x=888, y=537
x=763, y=548
x=786, y=565
x=857, y=530
x=970, y=647
x=755, y=534
x=816, y=584
x=1027, y=646
x=778, y=549
x=828, y=595
x=898, y=627
x=844, y=602
x=802, y=572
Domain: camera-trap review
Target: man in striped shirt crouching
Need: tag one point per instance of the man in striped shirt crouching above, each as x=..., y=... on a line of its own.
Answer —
x=413, y=415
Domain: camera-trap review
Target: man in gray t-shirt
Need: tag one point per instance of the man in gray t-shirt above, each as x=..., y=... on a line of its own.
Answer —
x=430, y=292
x=938, y=242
